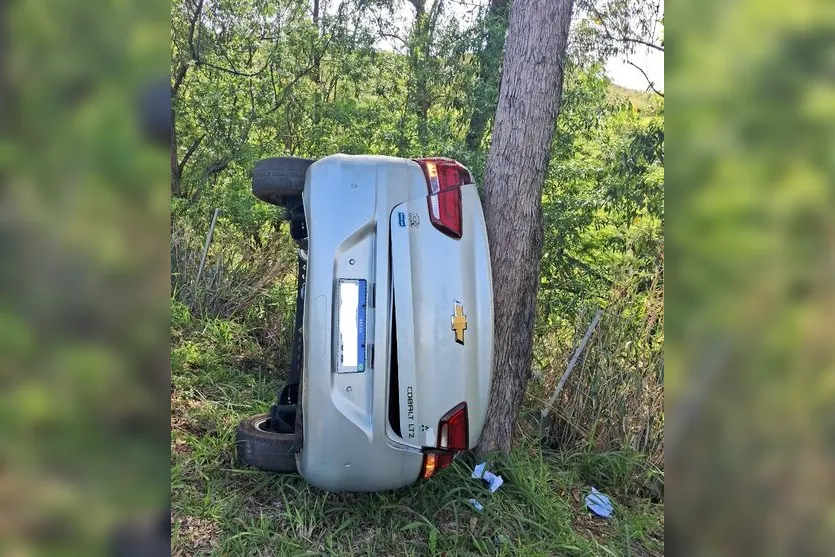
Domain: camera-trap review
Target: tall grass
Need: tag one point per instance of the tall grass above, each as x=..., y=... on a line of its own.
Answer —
x=249, y=284
x=237, y=272
x=220, y=507
x=614, y=397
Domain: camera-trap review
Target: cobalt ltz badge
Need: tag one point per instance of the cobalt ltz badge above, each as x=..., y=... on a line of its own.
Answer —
x=459, y=322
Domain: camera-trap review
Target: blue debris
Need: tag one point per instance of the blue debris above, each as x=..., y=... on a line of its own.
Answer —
x=599, y=504
x=494, y=482
x=492, y=479
x=478, y=506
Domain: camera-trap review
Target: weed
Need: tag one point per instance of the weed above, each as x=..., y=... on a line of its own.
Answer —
x=221, y=508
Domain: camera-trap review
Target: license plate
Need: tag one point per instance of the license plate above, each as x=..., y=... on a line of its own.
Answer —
x=351, y=353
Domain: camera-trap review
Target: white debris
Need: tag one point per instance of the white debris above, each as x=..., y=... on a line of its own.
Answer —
x=599, y=504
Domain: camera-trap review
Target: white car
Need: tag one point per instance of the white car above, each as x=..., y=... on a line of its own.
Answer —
x=392, y=359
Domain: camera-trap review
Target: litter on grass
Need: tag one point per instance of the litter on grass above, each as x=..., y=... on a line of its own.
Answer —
x=493, y=481
x=599, y=504
x=478, y=506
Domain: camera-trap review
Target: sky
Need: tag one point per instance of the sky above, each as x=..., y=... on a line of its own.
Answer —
x=649, y=60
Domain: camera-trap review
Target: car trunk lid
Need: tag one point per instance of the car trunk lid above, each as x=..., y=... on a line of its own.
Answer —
x=442, y=349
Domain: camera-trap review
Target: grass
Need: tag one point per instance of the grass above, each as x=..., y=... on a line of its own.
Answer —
x=221, y=374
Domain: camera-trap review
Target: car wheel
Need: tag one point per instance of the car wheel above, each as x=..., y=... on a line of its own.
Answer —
x=261, y=448
x=278, y=179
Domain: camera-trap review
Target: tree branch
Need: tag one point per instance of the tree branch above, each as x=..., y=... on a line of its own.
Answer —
x=385, y=35
x=184, y=66
x=434, y=12
x=636, y=40
x=285, y=91
x=192, y=23
x=189, y=152
x=649, y=81
x=195, y=54
x=586, y=267
x=218, y=166
x=232, y=71
x=178, y=78
x=601, y=21
x=418, y=5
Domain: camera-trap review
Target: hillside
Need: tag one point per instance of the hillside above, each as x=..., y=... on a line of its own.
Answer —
x=641, y=100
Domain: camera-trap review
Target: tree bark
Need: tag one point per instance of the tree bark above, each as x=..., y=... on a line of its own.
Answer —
x=529, y=94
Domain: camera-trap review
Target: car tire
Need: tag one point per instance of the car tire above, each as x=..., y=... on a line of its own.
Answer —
x=263, y=449
x=278, y=179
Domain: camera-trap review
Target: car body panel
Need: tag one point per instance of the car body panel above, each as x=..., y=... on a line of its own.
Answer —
x=348, y=442
x=433, y=273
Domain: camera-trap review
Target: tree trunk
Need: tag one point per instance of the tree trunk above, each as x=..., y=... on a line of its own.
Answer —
x=419, y=97
x=416, y=82
x=529, y=94
x=317, y=69
x=487, y=84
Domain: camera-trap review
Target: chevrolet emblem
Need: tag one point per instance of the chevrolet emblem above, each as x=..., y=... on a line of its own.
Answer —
x=459, y=322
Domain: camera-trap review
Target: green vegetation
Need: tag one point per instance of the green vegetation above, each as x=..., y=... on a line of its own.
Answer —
x=254, y=81
x=640, y=100
x=221, y=376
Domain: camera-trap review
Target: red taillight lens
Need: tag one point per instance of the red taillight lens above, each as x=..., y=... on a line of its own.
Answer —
x=453, y=437
x=454, y=429
x=444, y=178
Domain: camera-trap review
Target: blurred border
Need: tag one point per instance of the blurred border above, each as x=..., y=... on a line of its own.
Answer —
x=750, y=198
x=84, y=285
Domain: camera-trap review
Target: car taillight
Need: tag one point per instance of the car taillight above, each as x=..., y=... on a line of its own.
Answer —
x=453, y=437
x=453, y=434
x=434, y=461
x=444, y=178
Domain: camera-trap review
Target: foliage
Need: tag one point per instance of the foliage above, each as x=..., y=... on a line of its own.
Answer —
x=751, y=380
x=254, y=80
x=258, y=80
x=619, y=28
